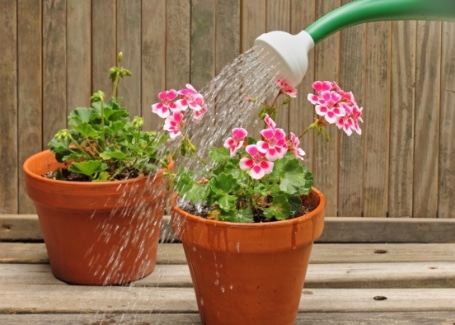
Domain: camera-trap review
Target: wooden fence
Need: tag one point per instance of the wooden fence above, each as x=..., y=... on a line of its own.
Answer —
x=55, y=53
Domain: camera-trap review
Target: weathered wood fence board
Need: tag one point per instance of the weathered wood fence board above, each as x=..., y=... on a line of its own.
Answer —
x=57, y=52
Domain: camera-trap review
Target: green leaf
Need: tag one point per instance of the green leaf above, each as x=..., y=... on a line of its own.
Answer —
x=242, y=215
x=280, y=208
x=295, y=176
x=227, y=202
x=223, y=184
x=89, y=167
x=80, y=115
x=86, y=130
x=112, y=153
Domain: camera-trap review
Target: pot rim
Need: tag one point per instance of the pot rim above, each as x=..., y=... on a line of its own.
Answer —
x=46, y=154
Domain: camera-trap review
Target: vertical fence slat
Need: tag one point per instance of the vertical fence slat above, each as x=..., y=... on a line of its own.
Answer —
x=129, y=42
x=376, y=119
x=254, y=23
x=325, y=161
x=447, y=129
x=301, y=112
x=153, y=46
x=426, y=146
x=54, y=67
x=78, y=54
x=279, y=18
x=202, y=42
x=178, y=38
x=227, y=39
x=402, y=118
x=350, y=176
x=8, y=96
x=29, y=89
x=104, y=43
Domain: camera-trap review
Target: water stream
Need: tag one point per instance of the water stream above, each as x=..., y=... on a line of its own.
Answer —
x=226, y=98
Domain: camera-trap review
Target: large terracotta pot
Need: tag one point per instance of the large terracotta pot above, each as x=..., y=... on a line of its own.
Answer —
x=248, y=273
x=96, y=233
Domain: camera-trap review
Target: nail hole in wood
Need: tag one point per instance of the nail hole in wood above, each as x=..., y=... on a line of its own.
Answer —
x=379, y=298
x=380, y=251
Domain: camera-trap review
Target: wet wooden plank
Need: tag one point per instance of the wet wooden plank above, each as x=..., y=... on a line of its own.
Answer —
x=83, y=299
x=303, y=318
x=321, y=254
x=337, y=230
x=336, y=275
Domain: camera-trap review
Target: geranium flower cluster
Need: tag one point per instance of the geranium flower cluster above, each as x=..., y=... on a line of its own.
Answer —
x=173, y=105
x=336, y=106
x=332, y=104
x=273, y=146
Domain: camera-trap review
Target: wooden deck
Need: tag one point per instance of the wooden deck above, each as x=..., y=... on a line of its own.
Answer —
x=353, y=278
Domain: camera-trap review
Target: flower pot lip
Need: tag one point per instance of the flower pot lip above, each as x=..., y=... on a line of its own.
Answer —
x=262, y=225
x=46, y=154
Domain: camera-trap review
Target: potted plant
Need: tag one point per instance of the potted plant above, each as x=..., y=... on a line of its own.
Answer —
x=99, y=193
x=248, y=221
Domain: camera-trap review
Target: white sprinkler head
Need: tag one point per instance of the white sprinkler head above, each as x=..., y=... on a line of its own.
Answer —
x=286, y=53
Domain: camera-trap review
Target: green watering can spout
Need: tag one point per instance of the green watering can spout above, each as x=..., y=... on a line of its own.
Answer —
x=288, y=54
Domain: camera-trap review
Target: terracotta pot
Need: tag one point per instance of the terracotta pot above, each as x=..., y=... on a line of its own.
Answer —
x=248, y=273
x=96, y=233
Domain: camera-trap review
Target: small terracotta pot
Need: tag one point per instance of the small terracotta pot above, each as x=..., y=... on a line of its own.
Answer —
x=96, y=233
x=248, y=273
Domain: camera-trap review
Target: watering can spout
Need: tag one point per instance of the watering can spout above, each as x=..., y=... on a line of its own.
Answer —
x=289, y=53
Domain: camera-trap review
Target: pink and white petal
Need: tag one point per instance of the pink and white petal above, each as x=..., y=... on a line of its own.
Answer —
x=246, y=163
x=161, y=110
x=239, y=133
x=267, y=166
x=257, y=172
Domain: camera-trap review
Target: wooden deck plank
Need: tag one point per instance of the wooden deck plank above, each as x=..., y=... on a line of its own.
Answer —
x=39, y=299
x=321, y=254
x=346, y=275
x=393, y=318
x=337, y=230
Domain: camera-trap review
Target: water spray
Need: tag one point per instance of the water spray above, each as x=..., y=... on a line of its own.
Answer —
x=289, y=53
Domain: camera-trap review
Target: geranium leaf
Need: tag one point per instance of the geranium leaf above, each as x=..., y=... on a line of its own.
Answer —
x=89, y=167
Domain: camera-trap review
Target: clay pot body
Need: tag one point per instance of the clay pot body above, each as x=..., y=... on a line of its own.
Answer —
x=248, y=273
x=96, y=233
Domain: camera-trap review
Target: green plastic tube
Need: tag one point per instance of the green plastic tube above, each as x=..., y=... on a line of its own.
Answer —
x=361, y=11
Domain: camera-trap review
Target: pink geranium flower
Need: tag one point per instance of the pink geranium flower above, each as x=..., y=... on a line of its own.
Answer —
x=257, y=164
x=294, y=146
x=274, y=141
x=336, y=106
x=286, y=88
x=236, y=141
x=173, y=124
x=167, y=104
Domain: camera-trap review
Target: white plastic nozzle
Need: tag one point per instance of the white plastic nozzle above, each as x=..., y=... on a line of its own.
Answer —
x=287, y=54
